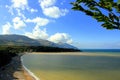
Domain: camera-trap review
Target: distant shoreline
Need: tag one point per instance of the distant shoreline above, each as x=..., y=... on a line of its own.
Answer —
x=76, y=53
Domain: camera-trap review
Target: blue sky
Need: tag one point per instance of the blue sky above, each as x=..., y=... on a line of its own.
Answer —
x=54, y=20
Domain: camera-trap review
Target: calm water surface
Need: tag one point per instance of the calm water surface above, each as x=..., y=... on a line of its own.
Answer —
x=73, y=67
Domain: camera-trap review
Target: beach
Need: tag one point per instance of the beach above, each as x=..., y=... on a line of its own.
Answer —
x=76, y=53
x=15, y=71
x=73, y=65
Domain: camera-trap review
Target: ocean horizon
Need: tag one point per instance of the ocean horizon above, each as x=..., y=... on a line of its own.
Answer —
x=100, y=50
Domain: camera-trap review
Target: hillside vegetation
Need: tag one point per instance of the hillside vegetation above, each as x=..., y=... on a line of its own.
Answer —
x=8, y=52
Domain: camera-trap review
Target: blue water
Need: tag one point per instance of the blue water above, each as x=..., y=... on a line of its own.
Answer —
x=101, y=50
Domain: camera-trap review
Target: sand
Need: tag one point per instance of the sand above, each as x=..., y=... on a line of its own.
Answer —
x=77, y=53
x=23, y=75
x=15, y=71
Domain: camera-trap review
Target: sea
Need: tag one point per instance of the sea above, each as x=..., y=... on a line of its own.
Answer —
x=102, y=64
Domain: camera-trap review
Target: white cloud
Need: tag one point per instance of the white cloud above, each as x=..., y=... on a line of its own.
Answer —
x=20, y=4
x=15, y=11
x=38, y=21
x=37, y=33
x=20, y=14
x=10, y=10
x=33, y=10
x=54, y=12
x=18, y=23
x=46, y=3
x=6, y=28
x=61, y=37
x=50, y=10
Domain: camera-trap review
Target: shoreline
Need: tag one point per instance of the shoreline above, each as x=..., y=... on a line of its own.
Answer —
x=28, y=71
x=77, y=54
x=15, y=71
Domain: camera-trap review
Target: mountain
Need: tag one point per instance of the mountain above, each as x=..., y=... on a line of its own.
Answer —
x=47, y=43
x=26, y=41
x=17, y=40
x=65, y=45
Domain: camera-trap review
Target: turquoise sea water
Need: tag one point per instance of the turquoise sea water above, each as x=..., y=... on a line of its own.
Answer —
x=102, y=50
x=74, y=67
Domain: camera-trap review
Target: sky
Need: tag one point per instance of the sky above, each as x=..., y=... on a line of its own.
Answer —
x=54, y=20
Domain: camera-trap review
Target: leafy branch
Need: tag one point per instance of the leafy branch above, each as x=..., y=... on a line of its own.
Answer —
x=107, y=12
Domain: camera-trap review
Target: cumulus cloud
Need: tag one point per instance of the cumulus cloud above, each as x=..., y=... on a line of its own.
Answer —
x=19, y=7
x=20, y=4
x=38, y=21
x=46, y=3
x=54, y=12
x=6, y=28
x=37, y=33
x=18, y=23
x=50, y=10
x=61, y=37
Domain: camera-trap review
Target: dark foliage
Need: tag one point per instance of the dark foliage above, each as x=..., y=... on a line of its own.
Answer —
x=8, y=52
x=105, y=11
x=5, y=57
x=50, y=49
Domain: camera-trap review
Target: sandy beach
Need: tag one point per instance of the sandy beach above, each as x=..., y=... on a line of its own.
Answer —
x=76, y=53
x=15, y=71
